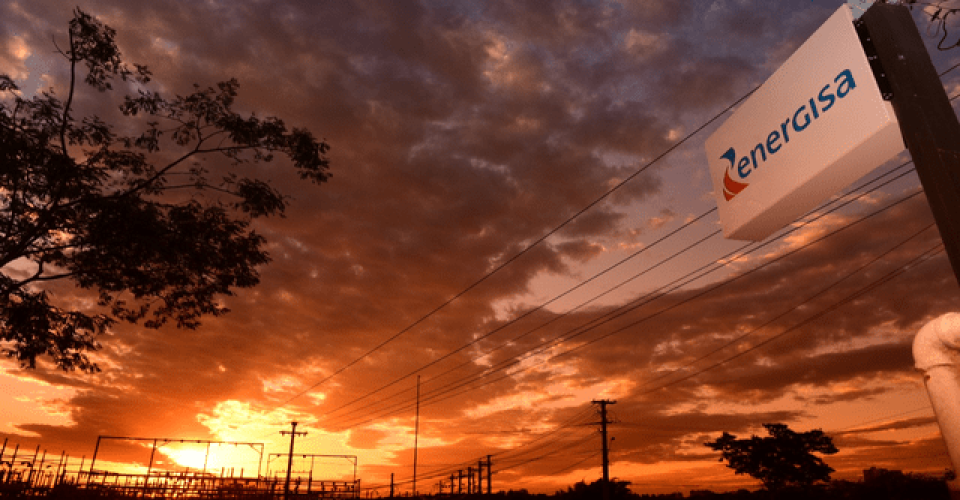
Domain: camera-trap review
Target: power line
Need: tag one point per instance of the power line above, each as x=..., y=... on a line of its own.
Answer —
x=591, y=457
x=791, y=309
x=554, y=319
x=615, y=313
x=433, y=396
x=437, y=395
x=520, y=450
x=605, y=195
x=573, y=446
x=883, y=280
x=443, y=473
x=544, y=443
x=741, y=276
x=531, y=311
x=947, y=71
x=529, y=247
x=888, y=417
x=926, y=255
x=566, y=449
x=528, y=447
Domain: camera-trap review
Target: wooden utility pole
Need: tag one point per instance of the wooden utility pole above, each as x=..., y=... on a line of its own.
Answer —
x=293, y=434
x=489, y=474
x=416, y=438
x=928, y=123
x=480, y=476
x=606, y=450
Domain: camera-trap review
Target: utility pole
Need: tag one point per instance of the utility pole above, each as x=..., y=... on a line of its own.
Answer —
x=416, y=438
x=293, y=434
x=928, y=123
x=489, y=474
x=931, y=132
x=606, y=450
x=480, y=476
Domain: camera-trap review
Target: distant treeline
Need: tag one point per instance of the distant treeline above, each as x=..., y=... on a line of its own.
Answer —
x=889, y=486
x=892, y=486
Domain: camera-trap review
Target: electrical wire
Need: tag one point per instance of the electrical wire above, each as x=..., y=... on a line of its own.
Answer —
x=446, y=472
x=517, y=453
x=526, y=249
x=576, y=420
x=473, y=361
x=534, y=310
x=513, y=462
x=572, y=422
x=838, y=202
x=431, y=395
x=809, y=299
x=846, y=430
x=924, y=256
x=941, y=74
x=551, y=453
x=565, y=469
x=543, y=238
x=448, y=391
x=883, y=280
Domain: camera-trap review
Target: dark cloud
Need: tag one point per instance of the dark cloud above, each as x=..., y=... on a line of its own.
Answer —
x=906, y=423
x=708, y=83
x=461, y=134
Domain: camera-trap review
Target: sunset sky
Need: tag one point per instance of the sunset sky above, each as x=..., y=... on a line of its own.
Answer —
x=462, y=134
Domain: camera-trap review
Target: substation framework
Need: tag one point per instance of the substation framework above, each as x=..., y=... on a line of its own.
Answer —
x=24, y=474
x=165, y=441
x=335, y=489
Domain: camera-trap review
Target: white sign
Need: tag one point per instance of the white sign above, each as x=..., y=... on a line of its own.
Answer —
x=818, y=124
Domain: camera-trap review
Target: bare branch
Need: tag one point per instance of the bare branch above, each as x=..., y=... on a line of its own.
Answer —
x=73, y=83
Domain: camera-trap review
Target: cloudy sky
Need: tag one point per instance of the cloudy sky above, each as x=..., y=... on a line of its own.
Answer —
x=469, y=137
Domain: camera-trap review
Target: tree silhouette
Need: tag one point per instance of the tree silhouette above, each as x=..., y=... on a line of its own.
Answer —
x=619, y=490
x=783, y=459
x=135, y=218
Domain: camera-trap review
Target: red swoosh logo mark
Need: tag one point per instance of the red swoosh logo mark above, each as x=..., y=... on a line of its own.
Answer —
x=731, y=187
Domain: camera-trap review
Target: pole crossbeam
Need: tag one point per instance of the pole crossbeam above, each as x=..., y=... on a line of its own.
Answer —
x=161, y=441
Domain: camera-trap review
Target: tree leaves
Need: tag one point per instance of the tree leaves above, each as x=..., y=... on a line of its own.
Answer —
x=45, y=330
x=132, y=218
x=93, y=43
x=781, y=460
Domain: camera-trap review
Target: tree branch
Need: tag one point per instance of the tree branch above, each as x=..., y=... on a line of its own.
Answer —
x=66, y=107
x=50, y=277
x=225, y=149
x=55, y=248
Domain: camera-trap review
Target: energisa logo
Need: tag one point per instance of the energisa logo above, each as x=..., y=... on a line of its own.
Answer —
x=735, y=176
